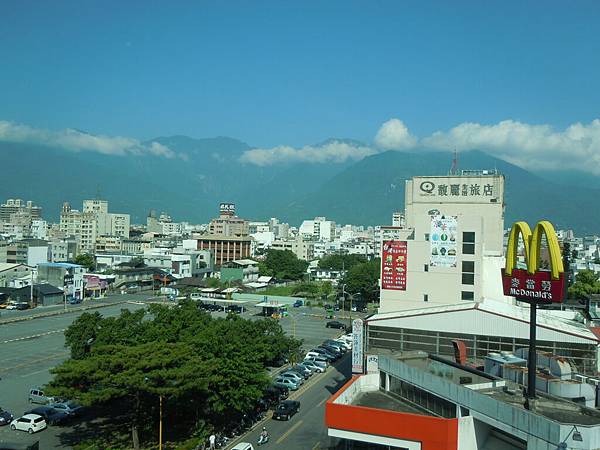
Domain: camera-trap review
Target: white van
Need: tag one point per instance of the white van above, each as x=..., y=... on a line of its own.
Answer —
x=243, y=446
x=195, y=296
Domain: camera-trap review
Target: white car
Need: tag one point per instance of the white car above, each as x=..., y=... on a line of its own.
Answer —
x=29, y=422
x=347, y=345
x=313, y=366
x=11, y=306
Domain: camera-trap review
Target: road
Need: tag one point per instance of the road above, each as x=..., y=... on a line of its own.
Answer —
x=306, y=430
x=29, y=349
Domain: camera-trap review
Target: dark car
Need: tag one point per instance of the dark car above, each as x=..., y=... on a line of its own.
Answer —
x=336, y=307
x=297, y=303
x=338, y=345
x=324, y=353
x=331, y=349
x=74, y=300
x=286, y=409
x=335, y=324
x=300, y=373
x=5, y=417
x=22, y=306
x=51, y=415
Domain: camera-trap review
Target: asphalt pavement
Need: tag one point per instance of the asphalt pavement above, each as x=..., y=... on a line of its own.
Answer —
x=30, y=348
x=306, y=430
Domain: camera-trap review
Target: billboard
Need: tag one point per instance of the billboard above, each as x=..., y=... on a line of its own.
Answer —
x=393, y=265
x=443, y=237
x=533, y=285
x=357, y=346
x=227, y=208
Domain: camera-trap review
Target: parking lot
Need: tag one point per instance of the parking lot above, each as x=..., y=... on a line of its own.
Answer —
x=29, y=349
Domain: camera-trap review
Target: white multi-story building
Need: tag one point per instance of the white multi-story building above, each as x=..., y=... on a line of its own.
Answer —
x=319, y=229
x=302, y=249
x=92, y=222
x=451, y=249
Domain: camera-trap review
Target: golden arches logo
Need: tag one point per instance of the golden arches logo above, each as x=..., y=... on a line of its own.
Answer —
x=532, y=248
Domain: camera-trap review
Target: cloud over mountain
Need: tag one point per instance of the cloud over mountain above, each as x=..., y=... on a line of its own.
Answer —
x=332, y=151
x=75, y=140
x=394, y=134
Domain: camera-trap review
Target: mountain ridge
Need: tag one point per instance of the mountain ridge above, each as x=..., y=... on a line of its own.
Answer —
x=364, y=192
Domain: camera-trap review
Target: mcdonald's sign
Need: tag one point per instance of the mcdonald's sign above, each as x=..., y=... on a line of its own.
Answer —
x=534, y=284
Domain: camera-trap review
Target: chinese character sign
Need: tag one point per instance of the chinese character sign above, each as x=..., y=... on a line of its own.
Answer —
x=393, y=265
x=538, y=287
x=443, y=241
x=357, y=346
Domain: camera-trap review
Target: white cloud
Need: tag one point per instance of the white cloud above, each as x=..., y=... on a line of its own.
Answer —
x=528, y=146
x=331, y=152
x=75, y=140
x=394, y=135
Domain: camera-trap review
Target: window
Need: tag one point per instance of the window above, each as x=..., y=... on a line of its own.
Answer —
x=467, y=295
x=468, y=278
x=426, y=236
x=425, y=297
x=468, y=247
x=468, y=266
x=426, y=268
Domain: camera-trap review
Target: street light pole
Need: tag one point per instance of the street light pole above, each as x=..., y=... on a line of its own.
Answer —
x=160, y=423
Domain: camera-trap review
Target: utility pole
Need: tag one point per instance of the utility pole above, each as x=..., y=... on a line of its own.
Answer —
x=31, y=290
x=160, y=423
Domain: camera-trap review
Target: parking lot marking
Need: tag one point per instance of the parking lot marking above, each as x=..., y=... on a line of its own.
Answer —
x=33, y=336
x=288, y=432
x=35, y=361
x=34, y=373
x=316, y=445
x=321, y=402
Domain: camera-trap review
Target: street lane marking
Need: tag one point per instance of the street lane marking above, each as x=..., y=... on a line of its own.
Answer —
x=34, y=373
x=321, y=402
x=33, y=336
x=316, y=445
x=35, y=361
x=288, y=432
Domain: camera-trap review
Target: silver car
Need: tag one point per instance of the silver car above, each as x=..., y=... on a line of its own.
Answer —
x=286, y=383
x=292, y=376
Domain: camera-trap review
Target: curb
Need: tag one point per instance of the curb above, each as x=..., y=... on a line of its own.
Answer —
x=59, y=312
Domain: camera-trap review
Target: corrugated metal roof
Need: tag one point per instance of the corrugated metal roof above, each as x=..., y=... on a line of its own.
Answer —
x=481, y=318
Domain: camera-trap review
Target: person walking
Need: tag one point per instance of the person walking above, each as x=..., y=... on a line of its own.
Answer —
x=211, y=441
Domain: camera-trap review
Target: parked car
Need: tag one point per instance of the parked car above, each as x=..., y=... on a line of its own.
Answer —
x=69, y=407
x=286, y=383
x=273, y=395
x=314, y=366
x=195, y=296
x=5, y=417
x=334, y=350
x=29, y=422
x=314, y=354
x=317, y=361
x=21, y=306
x=74, y=300
x=11, y=305
x=297, y=378
x=50, y=415
x=302, y=369
x=36, y=395
x=299, y=372
x=325, y=353
x=347, y=344
x=286, y=409
x=298, y=303
x=335, y=324
x=336, y=344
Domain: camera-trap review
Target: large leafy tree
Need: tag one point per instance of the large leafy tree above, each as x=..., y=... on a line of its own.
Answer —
x=206, y=370
x=86, y=260
x=586, y=283
x=341, y=262
x=363, y=279
x=283, y=264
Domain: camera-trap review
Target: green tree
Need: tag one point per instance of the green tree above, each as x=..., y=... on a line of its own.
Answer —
x=284, y=265
x=341, y=262
x=363, y=279
x=86, y=260
x=586, y=283
x=208, y=371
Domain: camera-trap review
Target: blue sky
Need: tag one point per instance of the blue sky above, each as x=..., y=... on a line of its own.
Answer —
x=296, y=73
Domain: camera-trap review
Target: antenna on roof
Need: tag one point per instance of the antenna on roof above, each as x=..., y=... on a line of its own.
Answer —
x=454, y=168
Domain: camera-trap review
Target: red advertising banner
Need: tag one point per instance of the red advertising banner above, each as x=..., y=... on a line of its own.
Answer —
x=537, y=288
x=393, y=265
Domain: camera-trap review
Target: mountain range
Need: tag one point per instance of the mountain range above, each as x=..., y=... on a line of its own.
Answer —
x=209, y=171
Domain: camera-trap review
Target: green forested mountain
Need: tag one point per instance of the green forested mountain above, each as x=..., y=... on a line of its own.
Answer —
x=209, y=171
